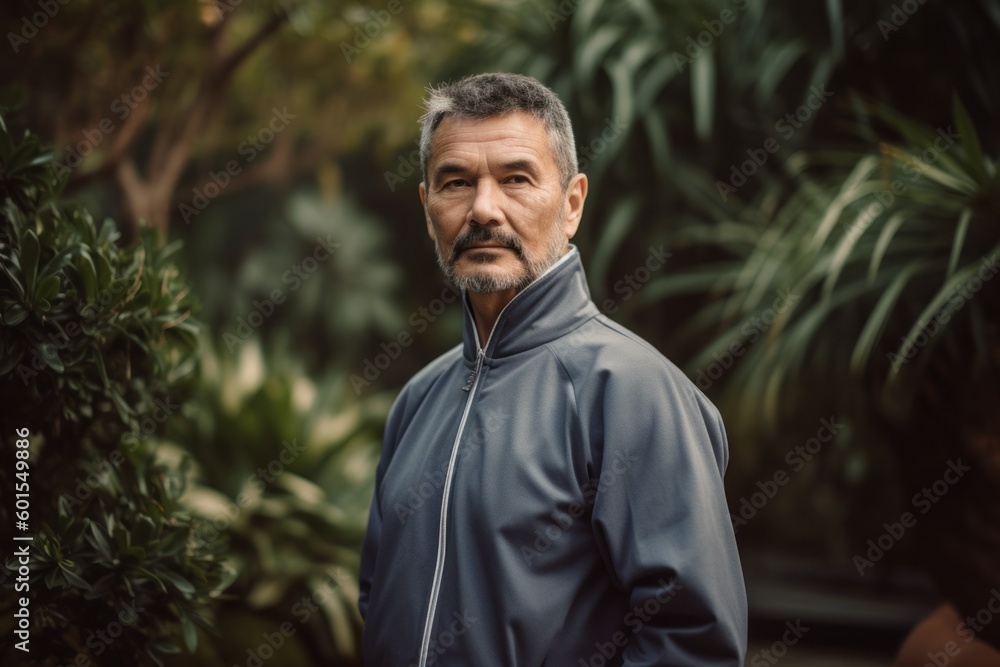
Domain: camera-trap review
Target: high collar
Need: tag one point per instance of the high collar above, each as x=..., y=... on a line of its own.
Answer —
x=557, y=302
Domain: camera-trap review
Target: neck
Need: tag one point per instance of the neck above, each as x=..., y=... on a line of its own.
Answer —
x=486, y=309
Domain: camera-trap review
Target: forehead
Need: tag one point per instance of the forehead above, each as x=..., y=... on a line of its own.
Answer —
x=514, y=135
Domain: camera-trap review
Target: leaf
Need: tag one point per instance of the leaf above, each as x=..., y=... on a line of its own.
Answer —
x=108, y=233
x=29, y=260
x=956, y=246
x=74, y=578
x=182, y=584
x=835, y=12
x=932, y=310
x=615, y=230
x=56, y=264
x=120, y=405
x=703, y=93
x=143, y=531
x=190, y=634
x=88, y=274
x=879, y=316
x=48, y=288
x=593, y=53
x=14, y=315
x=882, y=244
x=98, y=541
x=975, y=159
x=50, y=355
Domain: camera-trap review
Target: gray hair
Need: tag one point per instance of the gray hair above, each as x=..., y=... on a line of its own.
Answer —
x=487, y=95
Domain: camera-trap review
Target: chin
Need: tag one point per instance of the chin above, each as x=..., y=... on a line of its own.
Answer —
x=486, y=280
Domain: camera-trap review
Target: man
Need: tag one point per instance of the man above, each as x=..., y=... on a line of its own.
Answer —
x=550, y=490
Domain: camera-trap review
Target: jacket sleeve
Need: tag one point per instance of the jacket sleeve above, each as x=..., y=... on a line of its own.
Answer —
x=373, y=534
x=662, y=524
x=369, y=551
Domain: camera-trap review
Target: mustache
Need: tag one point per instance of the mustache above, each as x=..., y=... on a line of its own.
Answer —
x=478, y=235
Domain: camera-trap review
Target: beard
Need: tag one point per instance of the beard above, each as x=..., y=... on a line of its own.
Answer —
x=485, y=282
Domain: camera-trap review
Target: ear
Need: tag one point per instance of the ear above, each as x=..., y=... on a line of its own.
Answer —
x=427, y=218
x=576, y=194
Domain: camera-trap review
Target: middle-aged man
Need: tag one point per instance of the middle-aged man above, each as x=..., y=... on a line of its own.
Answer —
x=550, y=490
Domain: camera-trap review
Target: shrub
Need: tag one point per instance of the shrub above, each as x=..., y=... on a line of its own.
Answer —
x=92, y=338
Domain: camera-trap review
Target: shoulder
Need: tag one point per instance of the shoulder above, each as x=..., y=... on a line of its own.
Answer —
x=418, y=387
x=634, y=391
x=610, y=356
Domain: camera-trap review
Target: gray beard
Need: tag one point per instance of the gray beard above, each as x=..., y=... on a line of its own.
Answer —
x=486, y=284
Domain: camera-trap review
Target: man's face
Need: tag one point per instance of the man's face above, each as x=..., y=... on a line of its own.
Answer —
x=494, y=201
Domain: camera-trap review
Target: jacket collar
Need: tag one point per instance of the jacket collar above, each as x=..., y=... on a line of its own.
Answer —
x=557, y=302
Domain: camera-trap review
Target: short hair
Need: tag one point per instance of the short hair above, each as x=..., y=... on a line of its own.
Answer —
x=483, y=96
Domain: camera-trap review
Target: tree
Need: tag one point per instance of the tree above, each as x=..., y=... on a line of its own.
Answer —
x=92, y=338
x=174, y=104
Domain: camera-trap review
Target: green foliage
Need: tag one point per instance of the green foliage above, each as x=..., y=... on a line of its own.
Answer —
x=877, y=249
x=284, y=470
x=91, y=339
x=654, y=112
x=331, y=305
x=887, y=260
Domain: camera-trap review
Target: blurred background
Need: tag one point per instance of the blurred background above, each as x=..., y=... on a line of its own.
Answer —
x=212, y=245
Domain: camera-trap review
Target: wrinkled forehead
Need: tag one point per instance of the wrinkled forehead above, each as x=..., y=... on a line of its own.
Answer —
x=515, y=135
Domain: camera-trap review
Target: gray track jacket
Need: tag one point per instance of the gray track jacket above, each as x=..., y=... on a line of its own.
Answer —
x=554, y=499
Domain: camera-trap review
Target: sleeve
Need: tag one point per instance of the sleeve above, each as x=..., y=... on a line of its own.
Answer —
x=373, y=534
x=369, y=551
x=663, y=526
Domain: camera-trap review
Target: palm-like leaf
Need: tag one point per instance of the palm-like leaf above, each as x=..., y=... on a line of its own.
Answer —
x=883, y=261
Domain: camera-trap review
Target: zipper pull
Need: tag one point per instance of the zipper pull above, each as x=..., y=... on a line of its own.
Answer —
x=472, y=376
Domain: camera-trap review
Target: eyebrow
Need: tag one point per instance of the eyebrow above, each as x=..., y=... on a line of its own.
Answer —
x=446, y=168
x=520, y=165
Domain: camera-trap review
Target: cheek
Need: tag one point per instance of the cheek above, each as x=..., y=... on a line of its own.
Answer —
x=443, y=213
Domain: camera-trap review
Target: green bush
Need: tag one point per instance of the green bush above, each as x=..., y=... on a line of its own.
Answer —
x=92, y=338
x=284, y=468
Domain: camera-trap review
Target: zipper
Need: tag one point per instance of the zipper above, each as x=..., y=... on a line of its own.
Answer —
x=470, y=386
x=443, y=525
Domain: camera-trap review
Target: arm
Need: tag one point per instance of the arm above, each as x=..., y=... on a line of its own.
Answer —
x=373, y=535
x=662, y=524
x=369, y=551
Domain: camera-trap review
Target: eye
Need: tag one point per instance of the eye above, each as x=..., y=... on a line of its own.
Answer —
x=518, y=179
x=455, y=183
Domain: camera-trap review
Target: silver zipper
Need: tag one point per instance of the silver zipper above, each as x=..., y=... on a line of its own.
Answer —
x=442, y=528
x=425, y=644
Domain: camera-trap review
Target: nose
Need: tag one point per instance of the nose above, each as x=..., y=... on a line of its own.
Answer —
x=486, y=209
